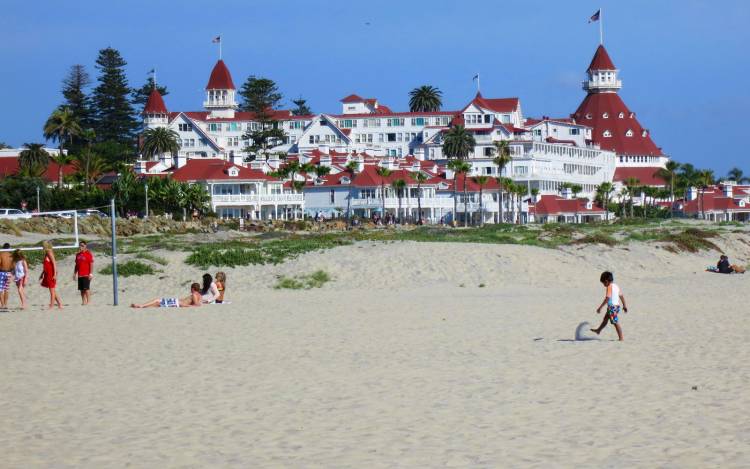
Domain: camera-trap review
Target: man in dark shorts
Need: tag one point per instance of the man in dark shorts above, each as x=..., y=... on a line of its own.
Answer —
x=6, y=275
x=83, y=271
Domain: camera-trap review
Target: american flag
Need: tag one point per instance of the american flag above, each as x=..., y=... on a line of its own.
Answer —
x=595, y=16
x=217, y=39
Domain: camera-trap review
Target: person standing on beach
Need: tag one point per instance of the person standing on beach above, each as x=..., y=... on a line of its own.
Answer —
x=49, y=275
x=83, y=271
x=6, y=274
x=614, y=300
x=21, y=273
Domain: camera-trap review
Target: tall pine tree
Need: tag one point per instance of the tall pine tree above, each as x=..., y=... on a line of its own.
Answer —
x=302, y=108
x=139, y=96
x=74, y=92
x=260, y=96
x=115, y=119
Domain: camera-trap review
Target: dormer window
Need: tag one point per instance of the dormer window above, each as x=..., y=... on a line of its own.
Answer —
x=632, y=115
x=607, y=133
x=605, y=115
x=588, y=116
x=621, y=115
x=345, y=180
x=644, y=134
x=629, y=133
x=233, y=172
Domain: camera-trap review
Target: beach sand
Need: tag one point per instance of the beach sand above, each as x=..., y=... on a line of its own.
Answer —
x=403, y=360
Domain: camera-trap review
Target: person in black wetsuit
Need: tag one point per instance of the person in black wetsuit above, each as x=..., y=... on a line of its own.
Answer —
x=723, y=265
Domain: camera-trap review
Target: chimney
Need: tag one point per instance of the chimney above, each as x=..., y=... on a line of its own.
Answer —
x=273, y=161
x=139, y=167
x=166, y=160
x=180, y=160
x=360, y=163
x=449, y=174
x=236, y=158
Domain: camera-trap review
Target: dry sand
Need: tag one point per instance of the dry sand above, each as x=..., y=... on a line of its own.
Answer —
x=403, y=360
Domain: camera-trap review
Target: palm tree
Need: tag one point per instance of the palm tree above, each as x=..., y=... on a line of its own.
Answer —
x=89, y=166
x=505, y=186
x=705, y=178
x=33, y=160
x=123, y=190
x=291, y=168
x=425, y=99
x=461, y=167
x=383, y=173
x=61, y=126
x=736, y=175
x=420, y=178
x=158, y=141
x=458, y=143
x=351, y=168
x=195, y=197
x=603, y=192
x=501, y=160
x=481, y=181
x=576, y=189
x=633, y=186
x=321, y=171
x=398, y=186
x=668, y=174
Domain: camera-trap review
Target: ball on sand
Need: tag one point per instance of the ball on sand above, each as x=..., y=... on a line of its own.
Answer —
x=583, y=332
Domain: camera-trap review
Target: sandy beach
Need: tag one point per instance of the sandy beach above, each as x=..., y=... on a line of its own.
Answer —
x=414, y=355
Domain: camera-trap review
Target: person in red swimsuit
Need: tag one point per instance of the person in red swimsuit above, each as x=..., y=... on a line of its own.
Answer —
x=49, y=275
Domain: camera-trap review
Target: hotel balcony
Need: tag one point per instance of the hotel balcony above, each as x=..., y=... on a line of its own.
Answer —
x=254, y=199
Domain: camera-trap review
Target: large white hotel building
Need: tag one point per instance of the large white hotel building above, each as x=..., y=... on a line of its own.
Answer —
x=601, y=141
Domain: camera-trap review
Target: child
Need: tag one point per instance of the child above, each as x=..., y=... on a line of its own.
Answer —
x=193, y=300
x=21, y=273
x=613, y=300
x=221, y=284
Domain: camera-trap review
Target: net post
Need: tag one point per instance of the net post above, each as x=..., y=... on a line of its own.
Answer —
x=114, y=253
x=75, y=226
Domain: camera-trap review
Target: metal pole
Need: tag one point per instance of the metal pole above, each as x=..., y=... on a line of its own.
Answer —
x=146, y=199
x=114, y=254
x=37, y=200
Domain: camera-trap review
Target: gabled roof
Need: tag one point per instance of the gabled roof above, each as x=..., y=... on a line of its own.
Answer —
x=239, y=116
x=155, y=103
x=495, y=104
x=715, y=200
x=645, y=174
x=601, y=60
x=212, y=169
x=220, y=78
x=353, y=98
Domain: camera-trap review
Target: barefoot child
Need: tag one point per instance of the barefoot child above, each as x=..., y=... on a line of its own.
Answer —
x=221, y=285
x=613, y=300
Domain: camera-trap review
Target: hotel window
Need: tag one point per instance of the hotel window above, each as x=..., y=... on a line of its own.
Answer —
x=488, y=151
x=487, y=118
x=214, y=127
x=185, y=127
x=629, y=133
x=381, y=138
x=333, y=196
x=644, y=133
x=505, y=119
x=392, y=137
x=396, y=122
x=605, y=115
x=607, y=133
x=574, y=131
x=417, y=121
x=538, y=132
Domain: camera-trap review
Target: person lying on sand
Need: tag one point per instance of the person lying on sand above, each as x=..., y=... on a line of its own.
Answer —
x=613, y=300
x=193, y=300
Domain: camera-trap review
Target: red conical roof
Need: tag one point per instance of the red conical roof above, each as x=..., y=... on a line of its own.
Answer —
x=220, y=78
x=601, y=60
x=155, y=103
x=627, y=136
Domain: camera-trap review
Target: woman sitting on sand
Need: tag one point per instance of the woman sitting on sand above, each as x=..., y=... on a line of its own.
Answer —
x=209, y=292
x=724, y=267
x=221, y=286
x=193, y=300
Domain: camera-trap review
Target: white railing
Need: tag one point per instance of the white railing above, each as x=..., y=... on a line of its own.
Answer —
x=257, y=198
x=392, y=202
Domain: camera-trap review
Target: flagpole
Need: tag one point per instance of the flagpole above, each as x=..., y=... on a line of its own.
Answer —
x=219, y=47
x=478, y=88
x=601, y=27
x=153, y=74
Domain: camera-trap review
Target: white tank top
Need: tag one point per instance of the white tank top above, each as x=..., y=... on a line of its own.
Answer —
x=19, y=273
x=613, y=292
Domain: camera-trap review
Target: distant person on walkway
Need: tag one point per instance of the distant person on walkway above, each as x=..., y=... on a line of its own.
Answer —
x=83, y=271
x=221, y=286
x=193, y=300
x=21, y=274
x=614, y=300
x=209, y=291
x=6, y=275
x=49, y=275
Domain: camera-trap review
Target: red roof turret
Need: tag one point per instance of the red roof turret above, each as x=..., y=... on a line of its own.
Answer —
x=220, y=78
x=601, y=60
x=155, y=103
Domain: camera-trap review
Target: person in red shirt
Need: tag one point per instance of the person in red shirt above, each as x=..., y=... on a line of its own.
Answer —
x=83, y=271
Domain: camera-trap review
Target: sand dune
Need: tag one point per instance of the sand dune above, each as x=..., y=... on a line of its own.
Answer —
x=402, y=360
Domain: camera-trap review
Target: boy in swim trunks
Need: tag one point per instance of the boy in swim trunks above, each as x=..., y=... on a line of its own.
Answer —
x=614, y=300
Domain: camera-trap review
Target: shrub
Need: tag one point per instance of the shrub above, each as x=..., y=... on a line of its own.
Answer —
x=303, y=282
x=129, y=268
x=151, y=257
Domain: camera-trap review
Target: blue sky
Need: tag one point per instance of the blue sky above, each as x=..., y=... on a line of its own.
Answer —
x=683, y=64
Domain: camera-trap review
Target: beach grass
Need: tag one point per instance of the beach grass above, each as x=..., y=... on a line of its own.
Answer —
x=303, y=282
x=129, y=269
x=151, y=257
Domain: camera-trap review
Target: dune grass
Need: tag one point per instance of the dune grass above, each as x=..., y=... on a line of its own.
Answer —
x=129, y=269
x=303, y=282
x=151, y=257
